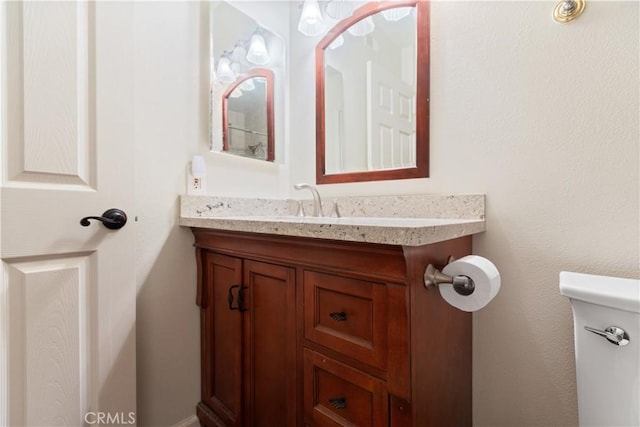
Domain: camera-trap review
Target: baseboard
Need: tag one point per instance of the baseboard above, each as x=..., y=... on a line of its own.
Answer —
x=192, y=421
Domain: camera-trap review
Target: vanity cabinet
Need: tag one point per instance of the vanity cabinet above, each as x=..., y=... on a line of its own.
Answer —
x=310, y=332
x=248, y=342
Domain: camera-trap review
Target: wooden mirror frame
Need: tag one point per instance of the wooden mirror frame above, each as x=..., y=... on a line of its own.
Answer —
x=268, y=76
x=421, y=170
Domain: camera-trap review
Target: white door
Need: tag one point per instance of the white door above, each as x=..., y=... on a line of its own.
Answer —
x=391, y=130
x=67, y=292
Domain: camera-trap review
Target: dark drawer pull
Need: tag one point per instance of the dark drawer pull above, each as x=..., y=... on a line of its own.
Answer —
x=338, y=402
x=338, y=316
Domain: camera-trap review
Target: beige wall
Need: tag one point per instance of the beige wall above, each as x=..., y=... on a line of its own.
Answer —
x=543, y=119
x=171, y=125
x=540, y=117
x=168, y=118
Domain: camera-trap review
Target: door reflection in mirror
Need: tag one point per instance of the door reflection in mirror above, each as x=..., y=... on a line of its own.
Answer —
x=372, y=77
x=372, y=91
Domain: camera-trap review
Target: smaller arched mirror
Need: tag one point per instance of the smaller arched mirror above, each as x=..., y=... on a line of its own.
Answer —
x=372, y=94
x=247, y=116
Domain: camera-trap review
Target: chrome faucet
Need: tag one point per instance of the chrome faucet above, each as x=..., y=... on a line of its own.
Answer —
x=317, y=204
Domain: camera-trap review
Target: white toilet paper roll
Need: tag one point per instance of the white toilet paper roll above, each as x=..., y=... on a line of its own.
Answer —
x=484, y=274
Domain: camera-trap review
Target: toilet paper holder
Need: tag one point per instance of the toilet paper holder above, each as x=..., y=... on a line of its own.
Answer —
x=463, y=285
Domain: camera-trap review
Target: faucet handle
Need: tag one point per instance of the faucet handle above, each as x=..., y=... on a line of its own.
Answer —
x=300, y=209
x=335, y=212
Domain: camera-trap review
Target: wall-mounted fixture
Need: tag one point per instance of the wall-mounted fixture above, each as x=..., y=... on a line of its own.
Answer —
x=339, y=9
x=224, y=73
x=237, y=62
x=311, y=22
x=568, y=10
x=258, y=53
x=475, y=280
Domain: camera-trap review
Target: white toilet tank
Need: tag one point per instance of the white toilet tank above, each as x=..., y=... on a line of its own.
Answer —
x=608, y=373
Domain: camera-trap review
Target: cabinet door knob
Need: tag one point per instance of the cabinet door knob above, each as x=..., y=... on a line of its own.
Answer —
x=338, y=316
x=241, y=306
x=230, y=298
x=338, y=402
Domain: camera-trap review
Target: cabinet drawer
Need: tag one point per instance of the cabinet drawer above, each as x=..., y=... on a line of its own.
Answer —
x=346, y=315
x=338, y=395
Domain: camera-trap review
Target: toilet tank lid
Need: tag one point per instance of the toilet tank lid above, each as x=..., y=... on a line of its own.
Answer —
x=615, y=292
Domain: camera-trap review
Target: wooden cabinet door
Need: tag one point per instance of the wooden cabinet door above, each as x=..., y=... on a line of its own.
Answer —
x=269, y=345
x=221, y=338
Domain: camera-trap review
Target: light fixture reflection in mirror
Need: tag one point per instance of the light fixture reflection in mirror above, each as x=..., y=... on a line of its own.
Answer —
x=372, y=94
x=247, y=116
x=362, y=28
x=258, y=53
x=339, y=9
x=224, y=73
x=311, y=21
x=247, y=86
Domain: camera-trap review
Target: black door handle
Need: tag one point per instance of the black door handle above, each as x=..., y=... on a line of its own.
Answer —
x=113, y=219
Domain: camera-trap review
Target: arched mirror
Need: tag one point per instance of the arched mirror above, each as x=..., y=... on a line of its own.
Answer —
x=372, y=95
x=247, y=116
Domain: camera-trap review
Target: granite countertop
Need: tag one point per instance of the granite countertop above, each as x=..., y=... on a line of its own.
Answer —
x=394, y=220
